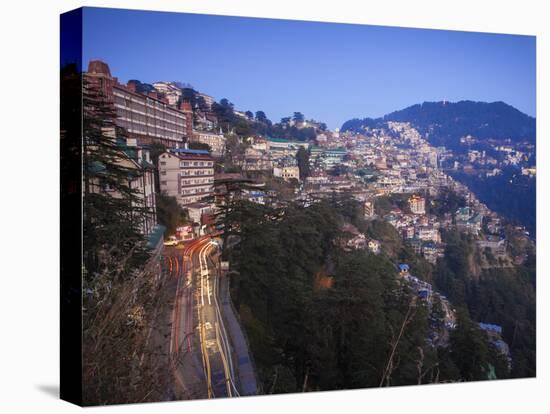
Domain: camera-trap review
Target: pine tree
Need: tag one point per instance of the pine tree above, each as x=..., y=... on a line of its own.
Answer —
x=302, y=157
x=119, y=292
x=112, y=210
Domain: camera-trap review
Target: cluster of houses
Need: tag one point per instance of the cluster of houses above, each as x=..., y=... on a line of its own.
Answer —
x=383, y=161
x=392, y=159
x=500, y=154
x=356, y=240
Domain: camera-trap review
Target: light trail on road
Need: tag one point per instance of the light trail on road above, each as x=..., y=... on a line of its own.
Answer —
x=213, y=341
x=219, y=328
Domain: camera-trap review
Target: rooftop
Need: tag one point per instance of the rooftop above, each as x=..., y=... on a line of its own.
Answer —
x=490, y=327
x=190, y=151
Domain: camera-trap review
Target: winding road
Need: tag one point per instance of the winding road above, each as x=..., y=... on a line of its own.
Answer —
x=201, y=350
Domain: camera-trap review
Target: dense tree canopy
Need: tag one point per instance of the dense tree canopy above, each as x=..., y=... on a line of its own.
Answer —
x=319, y=317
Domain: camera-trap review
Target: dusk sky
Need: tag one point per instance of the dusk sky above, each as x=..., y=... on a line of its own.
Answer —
x=330, y=72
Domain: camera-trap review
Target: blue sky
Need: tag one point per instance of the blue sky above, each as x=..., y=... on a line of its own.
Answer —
x=330, y=72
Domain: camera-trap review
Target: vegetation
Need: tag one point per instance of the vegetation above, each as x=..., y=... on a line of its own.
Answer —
x=447, y=201
x=504, y=296
x=199, y=146
x=169, y=213
x=119, y=287
x=302, y=158
x=260, y=124
x=510, y=194
x=142, y=87
x=111, y=224
x=320, y=318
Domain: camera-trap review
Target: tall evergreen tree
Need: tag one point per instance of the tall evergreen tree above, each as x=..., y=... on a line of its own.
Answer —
x=302, y=157
x=112, y=210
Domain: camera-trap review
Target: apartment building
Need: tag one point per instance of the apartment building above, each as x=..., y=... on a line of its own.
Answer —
x=187, y=175
x=147, y=118
x=417, y=204
x=287, y=172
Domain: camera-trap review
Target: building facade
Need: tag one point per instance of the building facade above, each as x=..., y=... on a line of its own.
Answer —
x=417, y=204
x=147, y=118
x=187, y=175
x=216, y=142
x=368, y=209
x=287, y=173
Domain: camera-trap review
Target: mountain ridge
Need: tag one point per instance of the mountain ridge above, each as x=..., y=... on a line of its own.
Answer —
x=444, y=123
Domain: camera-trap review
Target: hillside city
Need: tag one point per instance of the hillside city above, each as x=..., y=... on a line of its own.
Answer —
x=223, y=193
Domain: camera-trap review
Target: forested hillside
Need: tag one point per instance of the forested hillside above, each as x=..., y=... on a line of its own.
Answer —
x=319, y=317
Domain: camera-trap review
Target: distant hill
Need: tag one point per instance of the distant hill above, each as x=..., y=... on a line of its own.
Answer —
x=446, y=122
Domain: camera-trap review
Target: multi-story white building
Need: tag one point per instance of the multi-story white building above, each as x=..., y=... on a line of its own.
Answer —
x=428, y=233
x=368, y=209
x=287, y=173
x=197, y=210
x=187, y=175
x=215, y=141
x=417, y=204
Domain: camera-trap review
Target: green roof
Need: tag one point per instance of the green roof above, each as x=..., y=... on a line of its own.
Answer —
x=277, y=139
x=148, y=165
x=286, y=141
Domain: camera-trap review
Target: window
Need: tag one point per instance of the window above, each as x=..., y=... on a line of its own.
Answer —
x=164, y=183
x=163, y=163
x=163, y=172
